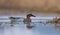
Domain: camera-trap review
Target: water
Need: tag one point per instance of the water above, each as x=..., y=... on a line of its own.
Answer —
x=20, y=29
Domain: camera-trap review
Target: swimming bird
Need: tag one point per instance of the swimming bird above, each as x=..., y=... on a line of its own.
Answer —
x=12, y=20
x=55, y=21
x=27, y=20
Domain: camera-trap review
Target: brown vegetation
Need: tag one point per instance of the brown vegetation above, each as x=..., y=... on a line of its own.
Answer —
x=34, y=5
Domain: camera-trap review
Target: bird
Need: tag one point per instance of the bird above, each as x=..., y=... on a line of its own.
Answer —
x=12, y=20
x=27, y=20
x=55, y=21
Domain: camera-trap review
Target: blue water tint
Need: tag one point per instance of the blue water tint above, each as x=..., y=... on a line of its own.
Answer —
x=47, y=30
x=20, y=28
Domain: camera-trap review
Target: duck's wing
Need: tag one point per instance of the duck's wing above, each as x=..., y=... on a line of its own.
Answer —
x=24, y=20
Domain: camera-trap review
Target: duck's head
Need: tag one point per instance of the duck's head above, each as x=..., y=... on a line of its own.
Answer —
x=12, y=18
x=31, y=15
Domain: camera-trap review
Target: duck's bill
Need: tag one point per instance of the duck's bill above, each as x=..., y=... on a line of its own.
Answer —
x=33, y=16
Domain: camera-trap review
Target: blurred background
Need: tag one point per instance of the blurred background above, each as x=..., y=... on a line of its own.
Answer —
x=45, y=11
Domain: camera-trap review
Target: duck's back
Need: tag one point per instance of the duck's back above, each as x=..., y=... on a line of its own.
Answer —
x=26, y=21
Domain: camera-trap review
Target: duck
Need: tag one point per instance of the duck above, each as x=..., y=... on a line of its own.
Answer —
x=28, y=21
x=55, y=21
x=12, y=20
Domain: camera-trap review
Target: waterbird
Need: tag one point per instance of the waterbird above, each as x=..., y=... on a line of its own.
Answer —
x=27, y=20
